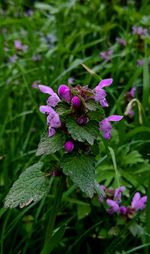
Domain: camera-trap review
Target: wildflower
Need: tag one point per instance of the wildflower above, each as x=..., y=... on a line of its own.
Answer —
x=69, y=146
x=123, y=210
x=114, y=207
x=118, y=193
x=140, y=62
x=65, y=93
x=53, y=100
x=53, y=119
x=130, y=94
x=121, y=41
x=20, y=46
x=139, y=30
x=100, y=93
x=81, y=120
x=71, y=81
x=35, y=84
x=75, y=101
x=105, y=127
x=138, y=202
x=13, y=59
x=106, y=55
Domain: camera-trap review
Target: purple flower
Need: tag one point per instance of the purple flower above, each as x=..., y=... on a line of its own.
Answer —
x=138, y=202
x=140, y=62
x=71, y=81
x=36, y=83
x=118, y=193
x=114, y=207
x=13, y=59
x=121, y=41
x=106, y=55
x=69, y=146
x=53, y=100
x=53, y=119
x=139, y=30
x=100, y=94
x=20, y=46
x=75, y=102
x=105, y=126
x=65, y=93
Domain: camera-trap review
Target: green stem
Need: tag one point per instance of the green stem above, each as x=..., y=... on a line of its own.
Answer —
x=52, y=217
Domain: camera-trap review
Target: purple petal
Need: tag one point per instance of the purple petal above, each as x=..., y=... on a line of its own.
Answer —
x=123, y=210
x=53, y=100
x=135, y=200
x=141, y=203
x=46, y=89
x=114, y=118
x=51, y=132
x=105, y=82
x=46, y=110
x=113, y=205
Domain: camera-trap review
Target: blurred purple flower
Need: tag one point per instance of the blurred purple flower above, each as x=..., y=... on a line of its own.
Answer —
x=140, y=62
x=35, y=84
x=36, y=58
x=138, y=202
x=13, y=59
x=121, y=41
x=105, y=127
x=53, y=100
x=139, y=30
x=69, y=146
x=114, y=207
x=81, y=120
x=71, y=81
x=100, y=93
x=19, y=46
x=106, y=55
x=123, y=210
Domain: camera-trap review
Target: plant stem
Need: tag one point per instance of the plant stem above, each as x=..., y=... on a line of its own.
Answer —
x=52, y=218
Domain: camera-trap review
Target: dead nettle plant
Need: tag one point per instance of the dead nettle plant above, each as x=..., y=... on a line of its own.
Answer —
x=76, y=123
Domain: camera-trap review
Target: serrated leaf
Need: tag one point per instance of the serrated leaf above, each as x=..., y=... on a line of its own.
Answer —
x=63, y=108
x=31, y=186
x=131, y=158
x=50, y=145
x=81, y=169
x=86, y=133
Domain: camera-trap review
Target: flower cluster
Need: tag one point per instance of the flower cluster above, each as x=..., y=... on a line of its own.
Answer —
x=113, y=199
x=76, y=98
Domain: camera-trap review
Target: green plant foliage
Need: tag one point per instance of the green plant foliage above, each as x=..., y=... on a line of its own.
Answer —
x=50, y=145
x=31, y=186
x=81, y=169
x=88, y=132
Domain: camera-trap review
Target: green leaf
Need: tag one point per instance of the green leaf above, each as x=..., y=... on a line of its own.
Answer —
x=83, y=210
x=131, y=158
x=82, y=133
x=81, y=169
x=91, y=105
x=31, y=186
x=49, y=145
x=63, y=108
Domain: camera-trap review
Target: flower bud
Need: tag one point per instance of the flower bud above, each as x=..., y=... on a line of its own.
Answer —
x=75, y=102
x=69, y=146
x=81, y=120
x=65, y=93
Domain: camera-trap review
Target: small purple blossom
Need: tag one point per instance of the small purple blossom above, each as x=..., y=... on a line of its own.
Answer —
x=105, y=127
x=138, y=202
x=121, y=41
x=123, y=210
x=53, y=100
x=75, y=102
x=71, y=81
x=65, y=93
x=69, y=146
x=19, y=46
x=114, y=207
x=100, y=94
x=118, y=194
x=106, y=55
x=140, y=62
x=81, y=120
x=13, y=59
x=35, y=84
x=139, y=30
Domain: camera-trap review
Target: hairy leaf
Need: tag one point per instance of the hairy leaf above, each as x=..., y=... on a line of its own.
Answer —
x=31, y=186
x=81, y=169
x=49, y=145
x=82, y=133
